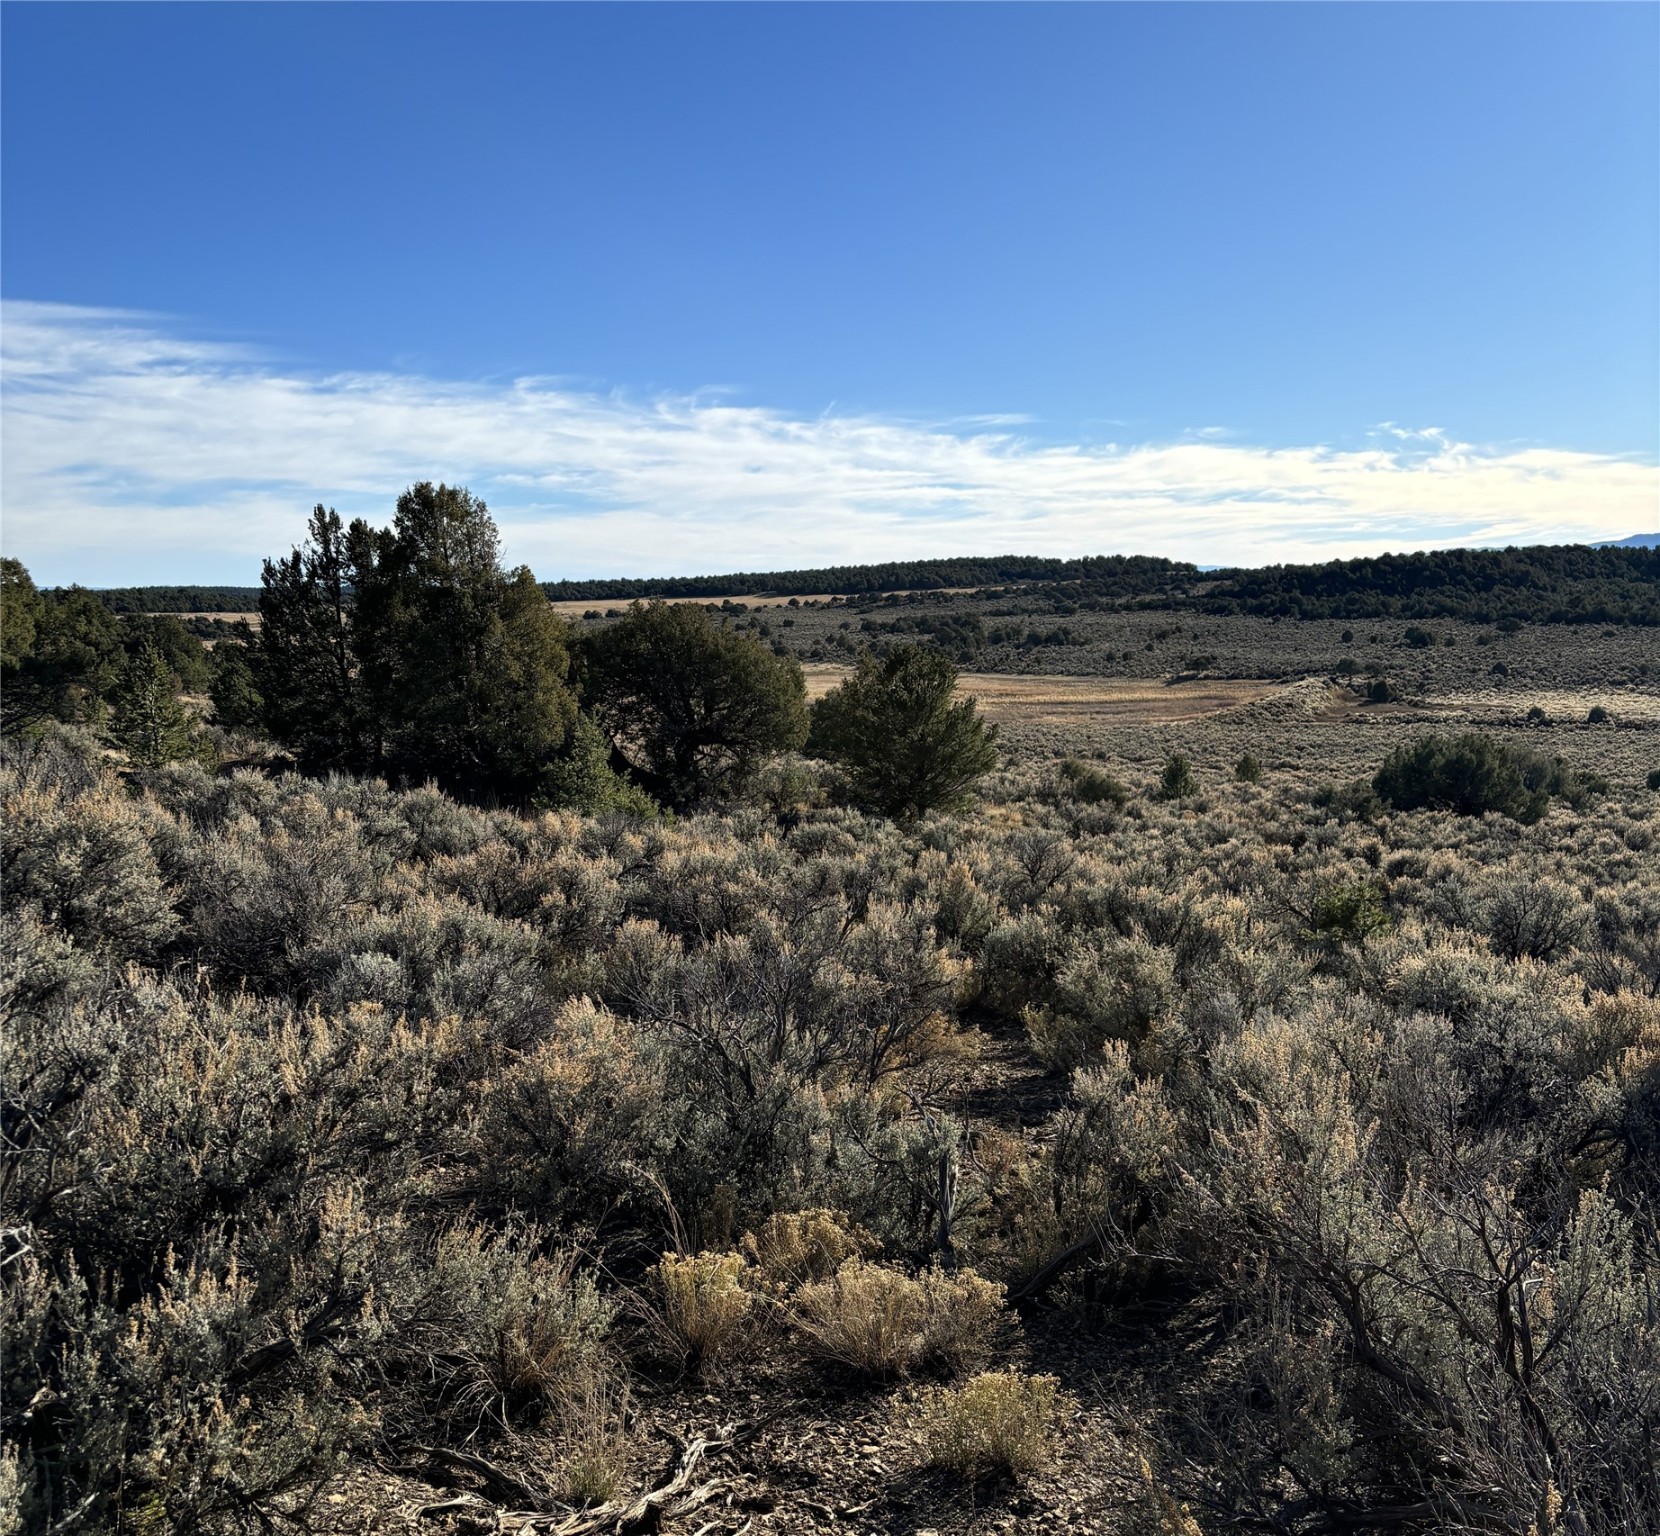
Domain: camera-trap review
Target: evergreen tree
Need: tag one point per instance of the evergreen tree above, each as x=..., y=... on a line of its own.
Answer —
x=1473, y=774
x=906, y=747
x=20, y=611
x=306, y=668
x=582, y=778
x=74, y=660
x=185, y=655
x=1176, y=782
x=693, y=707
x=237, y=703
x=464, y=664
x=149, y=721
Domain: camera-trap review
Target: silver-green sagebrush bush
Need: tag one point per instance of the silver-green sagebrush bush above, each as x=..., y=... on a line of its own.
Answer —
x=316, y=1093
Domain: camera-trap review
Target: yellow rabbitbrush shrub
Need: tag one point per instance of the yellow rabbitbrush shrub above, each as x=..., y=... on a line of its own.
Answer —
x=1001, y=1421
x=880, y=1322
x=701, y=1307
x=794, y=1248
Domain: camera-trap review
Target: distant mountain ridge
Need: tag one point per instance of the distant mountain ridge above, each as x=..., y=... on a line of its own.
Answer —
x=1636, y=541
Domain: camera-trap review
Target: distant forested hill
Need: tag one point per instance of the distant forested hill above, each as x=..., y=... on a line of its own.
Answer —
x=180, y=599
x=1131, y=573
x=1545, y=584
x=1542, y=584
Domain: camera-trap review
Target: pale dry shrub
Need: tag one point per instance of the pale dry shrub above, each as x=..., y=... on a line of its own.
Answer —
x=1112, y=1149
x=794, y=1248
x=11, y=1493
x=963, y=912
x=1001, y=1421
x=880, y=1322
x=265, y=900
x=84, y=865
x=701, y=1309
x=562, y=1126
x=1118, y=989
x=1536, y=917
x=157, y=1421
x=520, y=1329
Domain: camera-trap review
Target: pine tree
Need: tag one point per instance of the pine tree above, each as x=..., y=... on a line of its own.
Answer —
x=149, y=720
x=307, y=668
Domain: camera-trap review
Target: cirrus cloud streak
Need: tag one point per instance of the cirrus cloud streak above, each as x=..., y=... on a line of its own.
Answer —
x=131, y=454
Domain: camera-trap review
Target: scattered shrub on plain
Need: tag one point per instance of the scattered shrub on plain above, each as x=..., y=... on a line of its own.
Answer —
x=1092, y=785
x=701, y=1307
x=1176, y=781
x=1000, y=1422
x=317, y=1091
x=1472, y=774
x=881, y=1322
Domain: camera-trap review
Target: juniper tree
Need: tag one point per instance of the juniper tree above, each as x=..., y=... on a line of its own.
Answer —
x=906, y=747
x=693, y=707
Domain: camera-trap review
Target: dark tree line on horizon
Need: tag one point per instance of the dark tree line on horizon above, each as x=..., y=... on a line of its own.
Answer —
x=1541, y=584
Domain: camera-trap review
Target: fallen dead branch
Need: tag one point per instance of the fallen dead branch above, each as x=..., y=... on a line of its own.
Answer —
x=679, y=1495
x=498, y=1479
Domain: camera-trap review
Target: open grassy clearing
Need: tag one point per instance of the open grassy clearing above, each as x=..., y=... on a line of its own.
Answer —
x=1310, y=724
x=610, y=607
x=1009, y=699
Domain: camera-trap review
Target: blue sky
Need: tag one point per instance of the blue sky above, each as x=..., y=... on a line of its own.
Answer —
x=688, y=288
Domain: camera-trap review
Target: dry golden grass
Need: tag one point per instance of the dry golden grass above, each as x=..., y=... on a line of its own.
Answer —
x=1035, y=700
x=575, y=608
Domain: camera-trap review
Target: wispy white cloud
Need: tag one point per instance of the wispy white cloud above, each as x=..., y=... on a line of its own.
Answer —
x=131, y=453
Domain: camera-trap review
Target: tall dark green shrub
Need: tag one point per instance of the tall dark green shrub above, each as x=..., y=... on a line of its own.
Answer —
x=693, y=706
x=1473, y=774
x=185, y=655
x=906, y=747
x=1176, y=782
x=20, y=612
